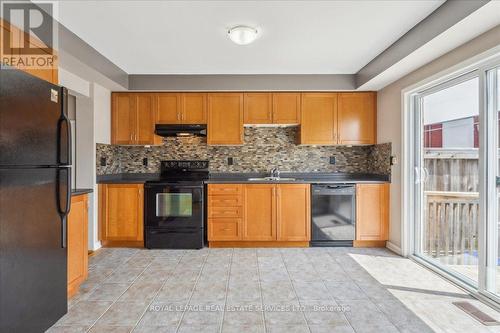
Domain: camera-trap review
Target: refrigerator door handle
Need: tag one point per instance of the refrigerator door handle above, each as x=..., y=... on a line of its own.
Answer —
x=61, y=159
x=67, y=205
x=64, y=121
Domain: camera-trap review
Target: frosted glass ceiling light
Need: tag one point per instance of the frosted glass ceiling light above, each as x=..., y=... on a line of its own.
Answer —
x=242, y=35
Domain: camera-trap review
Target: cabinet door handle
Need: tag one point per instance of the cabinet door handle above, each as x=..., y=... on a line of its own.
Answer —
x=178, y=116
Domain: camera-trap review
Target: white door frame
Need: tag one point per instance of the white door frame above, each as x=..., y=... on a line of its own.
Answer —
x=479, y=63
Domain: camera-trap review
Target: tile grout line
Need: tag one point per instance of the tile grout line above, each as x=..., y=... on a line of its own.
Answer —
x=227, y=289
x=97, y=285
x=378, y=301
x=113, y=302
x=369, y=299
x=192, y=292
x=331, y=296
x=260, y=288
x=157, y=292
x=293, y=288
x=350, y=324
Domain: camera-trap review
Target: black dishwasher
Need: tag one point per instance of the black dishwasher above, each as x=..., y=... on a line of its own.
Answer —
x=333, y=210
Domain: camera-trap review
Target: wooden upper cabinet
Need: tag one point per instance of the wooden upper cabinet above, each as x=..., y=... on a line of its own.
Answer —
x=168, y=108
x=272, y=108
x=372, y=212
x=194, y=108
x=132, y=118
x=357, y=118
x=286, y=108
x=123, y=119
x=181, y=108
x=259, y=223
x=258, y=108
x=318, y=119
x=145, y=119
x=225, y=119
x=121, y=209
x=293, y=212
x=77, y=243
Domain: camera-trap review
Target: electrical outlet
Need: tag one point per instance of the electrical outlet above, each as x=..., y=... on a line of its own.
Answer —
x=145, y=161
x=333, y=160
x=230, y=161
x=102, y=162
x=394, y=160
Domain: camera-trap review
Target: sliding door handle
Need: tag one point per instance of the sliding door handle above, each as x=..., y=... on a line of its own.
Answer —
x=498, y=181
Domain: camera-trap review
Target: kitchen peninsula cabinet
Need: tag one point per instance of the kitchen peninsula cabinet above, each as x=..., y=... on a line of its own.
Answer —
x=254, y=215
x=121, y=219
x=77, y=243
x=372, y=215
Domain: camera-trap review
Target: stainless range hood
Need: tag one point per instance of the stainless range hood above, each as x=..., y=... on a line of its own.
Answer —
x=180, y=130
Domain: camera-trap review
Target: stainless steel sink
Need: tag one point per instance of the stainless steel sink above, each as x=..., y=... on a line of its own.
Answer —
x=272, y=179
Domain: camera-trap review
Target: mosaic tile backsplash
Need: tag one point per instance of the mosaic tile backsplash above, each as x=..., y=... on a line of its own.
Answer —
x=264, y=148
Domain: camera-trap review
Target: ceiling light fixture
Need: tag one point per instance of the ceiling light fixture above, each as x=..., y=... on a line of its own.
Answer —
x=242, y=35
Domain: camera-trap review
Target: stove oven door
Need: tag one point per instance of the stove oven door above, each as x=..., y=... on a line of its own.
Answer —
x=173, y=206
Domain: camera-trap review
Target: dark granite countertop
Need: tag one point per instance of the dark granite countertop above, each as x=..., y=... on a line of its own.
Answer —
x=80, y=191
x=221, y=178
x=299, y=178
x=127, y=178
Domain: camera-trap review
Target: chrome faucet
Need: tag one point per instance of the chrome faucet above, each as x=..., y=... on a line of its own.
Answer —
x=275, y=173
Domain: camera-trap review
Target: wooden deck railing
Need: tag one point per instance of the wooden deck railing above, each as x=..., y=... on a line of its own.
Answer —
x=450, y=223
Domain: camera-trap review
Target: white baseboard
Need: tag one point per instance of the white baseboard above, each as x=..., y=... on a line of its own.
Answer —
x=97, y=246
x=394, y=248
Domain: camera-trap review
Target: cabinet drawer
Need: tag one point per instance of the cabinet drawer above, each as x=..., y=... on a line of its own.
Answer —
x=225, y=211
x=224, y=201
x=224, y=229
x=225, y=189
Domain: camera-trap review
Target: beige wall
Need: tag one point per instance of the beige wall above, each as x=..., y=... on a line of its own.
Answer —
x=390, y=113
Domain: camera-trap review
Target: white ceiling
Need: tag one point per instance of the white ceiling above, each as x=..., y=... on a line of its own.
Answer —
x=189, y=37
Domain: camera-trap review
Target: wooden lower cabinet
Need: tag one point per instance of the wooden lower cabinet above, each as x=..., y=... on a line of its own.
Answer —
x=372, y=215
x=293, y=211
x=77, y=243
x=259, y=223
x=258, y=215
x=121, y=209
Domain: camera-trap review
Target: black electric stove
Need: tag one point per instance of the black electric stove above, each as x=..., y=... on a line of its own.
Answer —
x=174, y=206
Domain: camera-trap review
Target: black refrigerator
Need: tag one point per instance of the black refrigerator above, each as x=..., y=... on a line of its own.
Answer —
x=35, y=196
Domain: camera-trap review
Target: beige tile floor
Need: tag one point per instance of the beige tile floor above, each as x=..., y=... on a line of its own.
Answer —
x=265, y=290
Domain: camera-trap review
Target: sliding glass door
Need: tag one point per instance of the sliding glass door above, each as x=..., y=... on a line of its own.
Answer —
x=454, y=197
x=492, y=219
x=446, y=176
